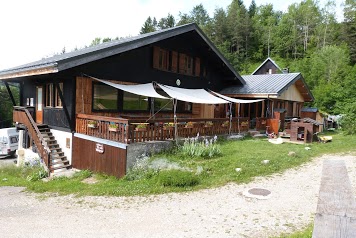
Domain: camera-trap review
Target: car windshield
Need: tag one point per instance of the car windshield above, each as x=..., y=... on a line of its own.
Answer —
x=3, y=140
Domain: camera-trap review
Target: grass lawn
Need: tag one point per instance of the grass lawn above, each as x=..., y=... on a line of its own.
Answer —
x=199, y=173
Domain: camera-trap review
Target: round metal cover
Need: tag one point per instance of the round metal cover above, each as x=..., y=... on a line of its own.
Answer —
x=259, y=192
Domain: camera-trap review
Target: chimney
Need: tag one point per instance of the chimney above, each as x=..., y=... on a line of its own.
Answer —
x=285, y=70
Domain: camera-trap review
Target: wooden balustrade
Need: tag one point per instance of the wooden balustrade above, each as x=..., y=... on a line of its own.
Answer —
x=23, y=116
x=156, y=129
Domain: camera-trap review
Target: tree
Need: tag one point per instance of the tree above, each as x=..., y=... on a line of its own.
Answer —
x=148, y=26
x=96, y=41
x=350, y=27
x=265, y=23
x=166, y=22
x=252, y=9
x=6, y=106
x=199, y=15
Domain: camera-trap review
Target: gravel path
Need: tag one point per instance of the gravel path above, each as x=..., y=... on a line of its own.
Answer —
x=220, y=212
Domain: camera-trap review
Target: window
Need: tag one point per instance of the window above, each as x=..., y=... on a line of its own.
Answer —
x=184, y=106
x=105, y=97
x=49, y=95
x=163, y=105
x=133, y=102
x=58, y=101
x=185, y=64
x=160, y=59
x=166, y=105
x=172, y=61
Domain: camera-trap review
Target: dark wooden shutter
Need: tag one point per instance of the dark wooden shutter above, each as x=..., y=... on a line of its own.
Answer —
x=174, y=62
x=155, y=57
x=197, y=66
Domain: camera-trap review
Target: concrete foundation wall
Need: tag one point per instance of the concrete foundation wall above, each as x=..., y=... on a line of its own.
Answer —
x=61, y=137
x=136, y=150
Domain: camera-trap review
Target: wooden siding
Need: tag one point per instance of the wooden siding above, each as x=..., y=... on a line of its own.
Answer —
x=84, y=100
x=112, y=161
x=292, y=94
x=265, y=68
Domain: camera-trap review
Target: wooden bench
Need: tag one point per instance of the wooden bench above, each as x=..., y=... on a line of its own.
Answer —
x=336, y=211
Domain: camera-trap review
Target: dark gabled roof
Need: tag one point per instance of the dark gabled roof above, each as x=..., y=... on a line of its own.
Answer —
x=269, y=84
x=264, y=62
x=309, y=109
x=75, y=58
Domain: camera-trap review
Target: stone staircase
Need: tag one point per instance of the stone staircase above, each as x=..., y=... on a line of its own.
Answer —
x=58, y=161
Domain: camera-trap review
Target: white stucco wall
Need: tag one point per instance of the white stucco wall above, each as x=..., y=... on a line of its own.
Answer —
x=61, y=137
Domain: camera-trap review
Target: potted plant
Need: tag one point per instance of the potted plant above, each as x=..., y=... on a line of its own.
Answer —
x=244, y=123
x=225, y=124
x=141, y=127
x=92, y=124
x=189, y=124
x=168, y=125
x=208, y=124
x=113, y=127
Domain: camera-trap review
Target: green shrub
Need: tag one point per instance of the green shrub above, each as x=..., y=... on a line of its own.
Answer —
x=37, y=175
x=204, y=149
x=140, y=170
x=178, y=178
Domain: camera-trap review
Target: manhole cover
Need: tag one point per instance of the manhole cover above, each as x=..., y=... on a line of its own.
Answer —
x=259, y=193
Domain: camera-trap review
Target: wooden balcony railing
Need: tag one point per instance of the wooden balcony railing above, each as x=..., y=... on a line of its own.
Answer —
x=126, y=130
x=23, y=116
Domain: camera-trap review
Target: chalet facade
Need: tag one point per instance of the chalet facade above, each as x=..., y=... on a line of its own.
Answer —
x=60, y=100
x=285, y=95
x=77, y=112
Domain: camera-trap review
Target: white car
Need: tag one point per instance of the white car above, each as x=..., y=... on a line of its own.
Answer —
x=9, y=138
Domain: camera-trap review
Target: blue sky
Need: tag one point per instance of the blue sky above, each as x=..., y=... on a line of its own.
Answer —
x=35, y=29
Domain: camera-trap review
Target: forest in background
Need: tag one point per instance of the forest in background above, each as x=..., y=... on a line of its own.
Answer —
x=307, y=38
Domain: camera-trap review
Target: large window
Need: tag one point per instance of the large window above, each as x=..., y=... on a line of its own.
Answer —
x=133, y=102
x=49, y=95
x=105, y=97
x=58, y=101
x=52, y=98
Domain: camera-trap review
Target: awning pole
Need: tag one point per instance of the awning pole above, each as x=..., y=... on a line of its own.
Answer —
x=238, y=117
x=230, y=113
x=175, y=120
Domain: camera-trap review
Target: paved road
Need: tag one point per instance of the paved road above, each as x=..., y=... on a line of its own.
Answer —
x=6, y=160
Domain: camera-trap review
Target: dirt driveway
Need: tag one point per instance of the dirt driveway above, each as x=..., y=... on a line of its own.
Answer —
x=220, y=212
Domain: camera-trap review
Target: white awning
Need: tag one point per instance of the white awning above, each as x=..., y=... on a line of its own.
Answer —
x=192, y=95
x=235, y=100
x=146, y=89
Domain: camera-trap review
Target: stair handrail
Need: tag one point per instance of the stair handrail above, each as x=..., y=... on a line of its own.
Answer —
x=42, y=141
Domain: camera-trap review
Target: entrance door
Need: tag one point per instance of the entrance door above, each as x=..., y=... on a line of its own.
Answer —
x=39, y=104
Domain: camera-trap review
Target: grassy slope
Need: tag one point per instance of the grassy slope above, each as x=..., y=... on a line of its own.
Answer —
x=246, y=154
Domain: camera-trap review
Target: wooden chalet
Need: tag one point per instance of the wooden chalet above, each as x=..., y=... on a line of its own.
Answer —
x=285, y=95
x=74, y=120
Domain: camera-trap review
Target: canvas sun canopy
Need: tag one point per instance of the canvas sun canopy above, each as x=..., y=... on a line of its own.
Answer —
x=146, y=89
x=235, y=100
x=192, y=95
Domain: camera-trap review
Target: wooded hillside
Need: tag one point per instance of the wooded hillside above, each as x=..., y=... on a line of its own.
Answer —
x=307, y=38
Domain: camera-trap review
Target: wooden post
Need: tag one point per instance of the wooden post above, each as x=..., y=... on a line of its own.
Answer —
x=336, y=211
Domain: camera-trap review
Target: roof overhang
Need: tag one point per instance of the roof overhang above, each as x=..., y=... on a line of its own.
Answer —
x=43, y=69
